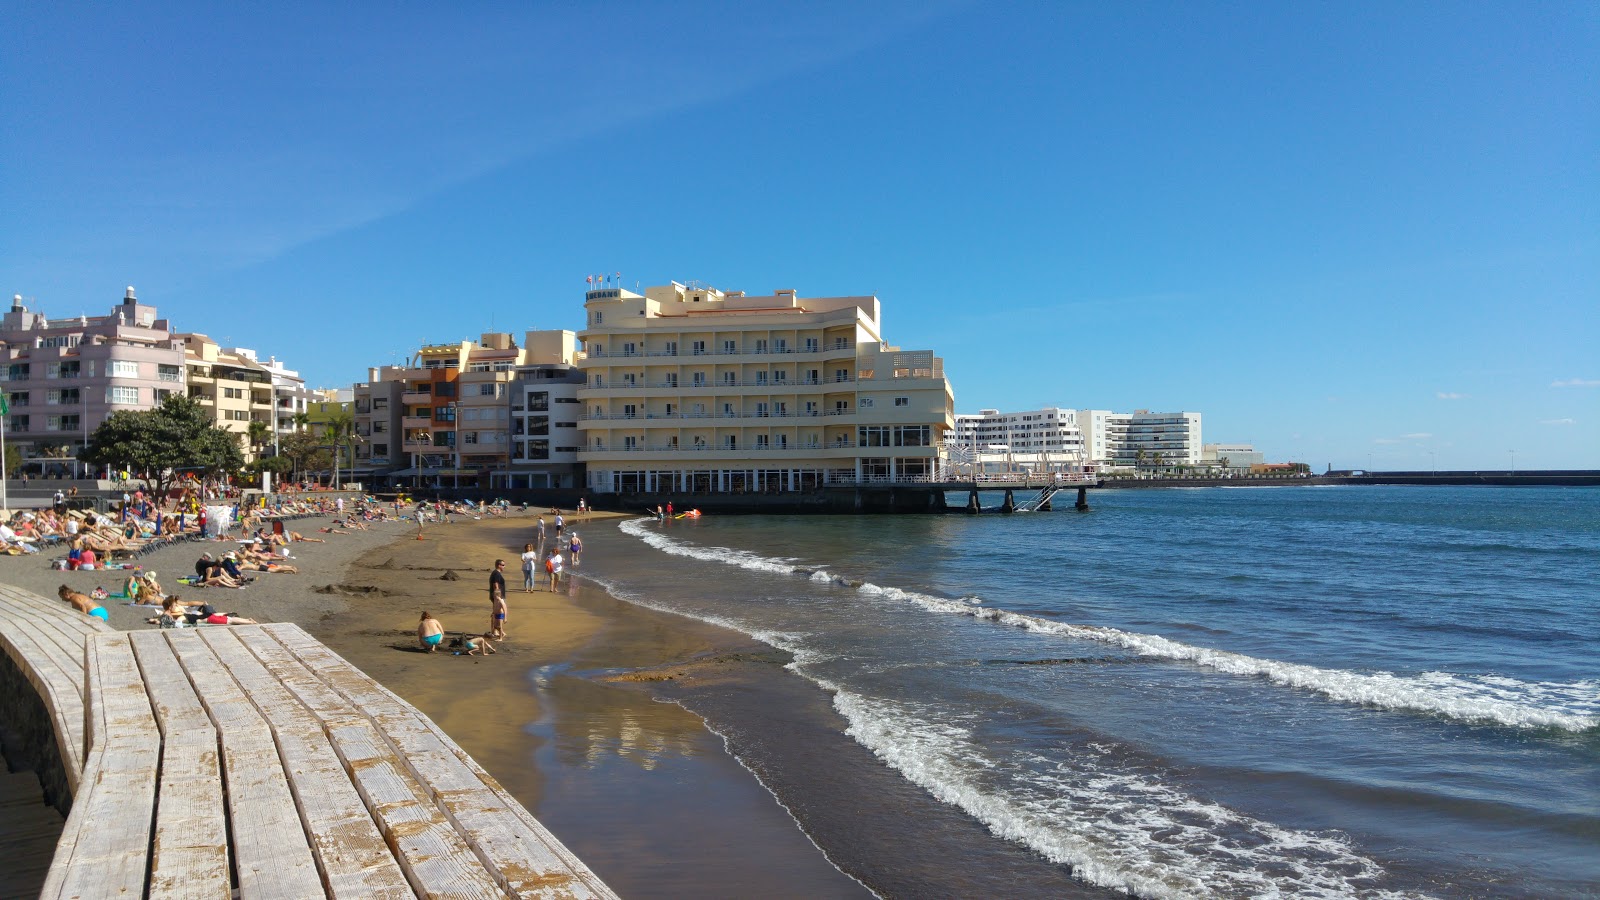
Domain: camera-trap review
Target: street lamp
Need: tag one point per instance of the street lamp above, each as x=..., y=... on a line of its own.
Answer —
x=456, y=438
x=1513, y=460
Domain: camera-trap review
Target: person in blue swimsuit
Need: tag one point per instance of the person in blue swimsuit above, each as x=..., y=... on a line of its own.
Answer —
x=430, y=634
x=84, y=603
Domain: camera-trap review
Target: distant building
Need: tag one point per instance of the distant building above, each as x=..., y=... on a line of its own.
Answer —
x=323, y=408
x=63, y=377
x=545, y=439
x=1240, y=457
x=692, y=389
x=1141, y=439
x=377, y=410
x=1039, y=440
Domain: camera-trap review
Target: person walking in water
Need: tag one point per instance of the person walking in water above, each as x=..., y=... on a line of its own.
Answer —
x=497, y=600
x=429, y=632
x=574, y=549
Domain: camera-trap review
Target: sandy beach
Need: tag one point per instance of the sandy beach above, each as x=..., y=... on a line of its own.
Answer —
x=564, y=715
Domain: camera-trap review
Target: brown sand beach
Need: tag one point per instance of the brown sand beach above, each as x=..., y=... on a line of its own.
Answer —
x=563, y=715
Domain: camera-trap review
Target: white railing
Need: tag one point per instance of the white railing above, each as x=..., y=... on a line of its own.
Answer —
x=721, y=351
x=708, y=385
x=710, y=448
x=602, y=417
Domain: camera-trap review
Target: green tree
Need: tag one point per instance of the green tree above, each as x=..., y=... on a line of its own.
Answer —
x=301, y=420
x=305, y=451
x=341, y=433
x=259, y=433
x=176, y=437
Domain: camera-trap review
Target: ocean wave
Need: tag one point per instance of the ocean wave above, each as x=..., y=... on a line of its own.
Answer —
x=1116, y=826
x=1500, y=700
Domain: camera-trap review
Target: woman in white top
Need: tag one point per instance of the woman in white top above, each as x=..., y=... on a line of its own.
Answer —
x=530, y=564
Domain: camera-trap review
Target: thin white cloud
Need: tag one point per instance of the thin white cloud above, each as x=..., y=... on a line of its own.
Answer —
x=1387, y=441
x=1576, y=382
x=1417, y=436
x=1558, y=422
x=1451, y=395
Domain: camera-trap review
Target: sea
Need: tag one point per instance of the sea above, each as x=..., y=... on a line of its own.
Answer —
x=1349, y=691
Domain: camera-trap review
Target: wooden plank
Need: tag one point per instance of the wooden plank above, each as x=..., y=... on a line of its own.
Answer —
x=525, y=857
x=60, y=688
x=351, y=853
x=189, y=850
x=272, y=855
x=105, y=844
x=435, y=856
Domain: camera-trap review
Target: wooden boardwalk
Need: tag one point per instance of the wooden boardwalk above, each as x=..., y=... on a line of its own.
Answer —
x=252, y=761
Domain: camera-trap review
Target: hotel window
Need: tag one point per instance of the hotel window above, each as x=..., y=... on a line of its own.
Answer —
x=866, y=402
x=902, y=401
x=63, y=370
x=761, y=410
x=730, y=442
x=541, y=449
x=761, y=442
x=781, y=345
x=629, y=411
x=630, y=380
x=380, y=427
x=122, y=368
x=599, y=381
x=169, y=373
x=18, y=398
x=18, y=423
x=840, y=407
x=671, y=409
x=469, y=437
x=630, y=442
x=17, y=372
x=730, y=347
x=539, y=425
x=761, y=378
x=672, y=348
x=699, y=347
x=811, y=407
x=539, y=402
x=599, y=317
x=841, y=374
x=780, y=377
x=488, y=390
x=629, y=348
x=68, y=397
x=699, y=379
x=730, y=378
x=672, y=379
x=780, y=409
x=61, y=423
x=127, y=396
x=783, y=442
x=811, y=345
x=813, y=376
x=761, y=345
x=672, y=442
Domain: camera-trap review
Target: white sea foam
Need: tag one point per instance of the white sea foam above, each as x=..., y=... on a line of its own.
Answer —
x=1116, y=826
x=1571, y=706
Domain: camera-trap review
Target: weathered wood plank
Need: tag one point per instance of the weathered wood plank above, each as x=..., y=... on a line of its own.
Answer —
x=189, y=852
x=526, y=858
x=352, y=854
x=105, y=844
x=59, y=684
x=272, y=854
x=434, y=855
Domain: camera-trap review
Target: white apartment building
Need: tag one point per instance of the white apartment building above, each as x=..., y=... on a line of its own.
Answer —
x=692, y=389
x=1141, y=439
x=1038, y=440
x=545, y=440
x=1053, y=439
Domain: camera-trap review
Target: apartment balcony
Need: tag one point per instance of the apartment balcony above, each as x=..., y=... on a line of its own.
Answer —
x=664, y=419
x=423, y=447
x=662, y=388
x=711, y=352
x=417, y=397
x=416, y=421
x=828, y=450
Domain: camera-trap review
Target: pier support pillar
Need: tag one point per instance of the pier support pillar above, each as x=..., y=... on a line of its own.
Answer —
x=972, y=502
x=1045, y=506
x=1083, y=500
x=1010, y=505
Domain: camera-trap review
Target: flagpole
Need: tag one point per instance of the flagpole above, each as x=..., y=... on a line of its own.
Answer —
x=5, y=496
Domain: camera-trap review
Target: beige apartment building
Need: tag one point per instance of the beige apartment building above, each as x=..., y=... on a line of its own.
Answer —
x=236, y=388
x=692, y=389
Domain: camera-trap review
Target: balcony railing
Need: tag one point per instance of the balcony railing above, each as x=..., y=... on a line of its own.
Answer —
x=714, y=448
x=720, y=351
x=709, y=385
x=698, y=417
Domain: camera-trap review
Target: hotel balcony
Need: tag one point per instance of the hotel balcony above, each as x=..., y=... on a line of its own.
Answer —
x=828, y=349
x=416, y=421
x=420, y=398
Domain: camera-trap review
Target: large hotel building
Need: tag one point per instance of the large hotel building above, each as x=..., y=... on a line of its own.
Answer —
x=691, y=389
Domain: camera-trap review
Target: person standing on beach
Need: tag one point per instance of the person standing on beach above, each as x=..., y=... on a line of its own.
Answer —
x=561, y=525
x=530, y=560
x=538, y=533
x=497, y=600
x=429, y=632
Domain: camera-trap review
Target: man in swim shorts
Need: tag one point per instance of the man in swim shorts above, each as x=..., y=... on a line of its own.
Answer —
x=429, y=632
x=497, y=600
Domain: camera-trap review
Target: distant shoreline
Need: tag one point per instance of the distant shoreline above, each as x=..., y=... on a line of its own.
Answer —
x=1503, y=478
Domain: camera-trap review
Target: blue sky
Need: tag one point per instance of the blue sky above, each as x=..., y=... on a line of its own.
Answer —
x=1353, y=234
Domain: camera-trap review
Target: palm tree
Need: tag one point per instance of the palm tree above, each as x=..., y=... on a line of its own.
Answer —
x=258, y=433
x=301, y=420
x=341, y=432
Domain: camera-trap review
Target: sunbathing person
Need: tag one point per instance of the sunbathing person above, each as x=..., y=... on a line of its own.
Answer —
x=298, y=537
x=212, y=574
x=150, y=589
x=84, y=603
